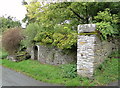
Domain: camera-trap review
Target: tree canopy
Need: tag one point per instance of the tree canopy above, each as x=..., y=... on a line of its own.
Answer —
x=8, y=22
x=77, y=12
x=59, y=20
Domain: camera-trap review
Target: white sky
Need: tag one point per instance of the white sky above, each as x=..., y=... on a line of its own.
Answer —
x=12, y=8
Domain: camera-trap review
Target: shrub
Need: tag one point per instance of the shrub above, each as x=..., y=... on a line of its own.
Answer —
x=107, y=30
x=62, y=36
x=11, y=39
x=107, y=23
x=30, y=32
x=44, y=38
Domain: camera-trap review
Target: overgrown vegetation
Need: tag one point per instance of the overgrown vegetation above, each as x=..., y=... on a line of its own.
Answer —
x=56, y=23
x=109, y=73
x=61, y=36
x=11, y=40
x=66, y=74
x=3, y=53
x=69, y=70
x=107, y=24
x=30, y=33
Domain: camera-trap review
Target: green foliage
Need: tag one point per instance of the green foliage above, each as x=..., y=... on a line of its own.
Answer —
x=64, y=37
x=48, y=14
x=115, y=54
x=30, y=32
x=106, y=73
x=106, y=16
x=44, y=38
x=61, y=36
x=69, y=71
x=6, y=23
x=76, y=12
x=107, y=23
x=56, y=31
x=21, y=55
x=106, y=29
x=3, y=53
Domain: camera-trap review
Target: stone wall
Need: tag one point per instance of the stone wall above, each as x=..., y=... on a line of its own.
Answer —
x=52, y=56
x=103, y=49
x=91, y=51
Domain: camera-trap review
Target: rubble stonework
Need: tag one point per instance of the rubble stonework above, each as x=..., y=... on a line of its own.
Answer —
x=53, y=56
x=85, y=50
x=91, y=51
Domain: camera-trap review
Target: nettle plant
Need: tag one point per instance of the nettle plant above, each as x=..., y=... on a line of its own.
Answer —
x=107, y=23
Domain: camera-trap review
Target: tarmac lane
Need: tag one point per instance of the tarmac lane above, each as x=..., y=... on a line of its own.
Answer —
x=13, y=78
x=9, y=77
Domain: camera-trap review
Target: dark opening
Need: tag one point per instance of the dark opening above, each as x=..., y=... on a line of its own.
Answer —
x=35, y=52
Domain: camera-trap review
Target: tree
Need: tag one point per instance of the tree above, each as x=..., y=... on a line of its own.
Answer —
x=6, y=23
x=77, y=12
x=53, y=17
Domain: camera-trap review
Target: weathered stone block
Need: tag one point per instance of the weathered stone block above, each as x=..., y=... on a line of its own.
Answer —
x=86, y=28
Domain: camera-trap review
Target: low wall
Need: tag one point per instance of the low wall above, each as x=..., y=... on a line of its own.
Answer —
x=103, y=49
x=91, y=51
x=52, y=55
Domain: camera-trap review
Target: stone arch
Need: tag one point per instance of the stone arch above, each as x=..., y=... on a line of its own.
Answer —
x=35, y=49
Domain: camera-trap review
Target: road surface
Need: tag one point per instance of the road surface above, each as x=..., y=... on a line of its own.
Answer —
x=12, y=78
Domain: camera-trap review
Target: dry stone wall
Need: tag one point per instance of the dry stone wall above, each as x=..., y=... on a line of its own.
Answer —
x=91, y=51
x=52, y=56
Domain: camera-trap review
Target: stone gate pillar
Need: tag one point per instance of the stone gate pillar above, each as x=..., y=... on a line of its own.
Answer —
x=85, y=50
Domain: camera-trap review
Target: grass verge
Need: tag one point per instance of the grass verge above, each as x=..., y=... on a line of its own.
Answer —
x=106, y=73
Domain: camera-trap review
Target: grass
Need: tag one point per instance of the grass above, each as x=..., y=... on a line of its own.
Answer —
x=106, y=73
x=3, y=54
